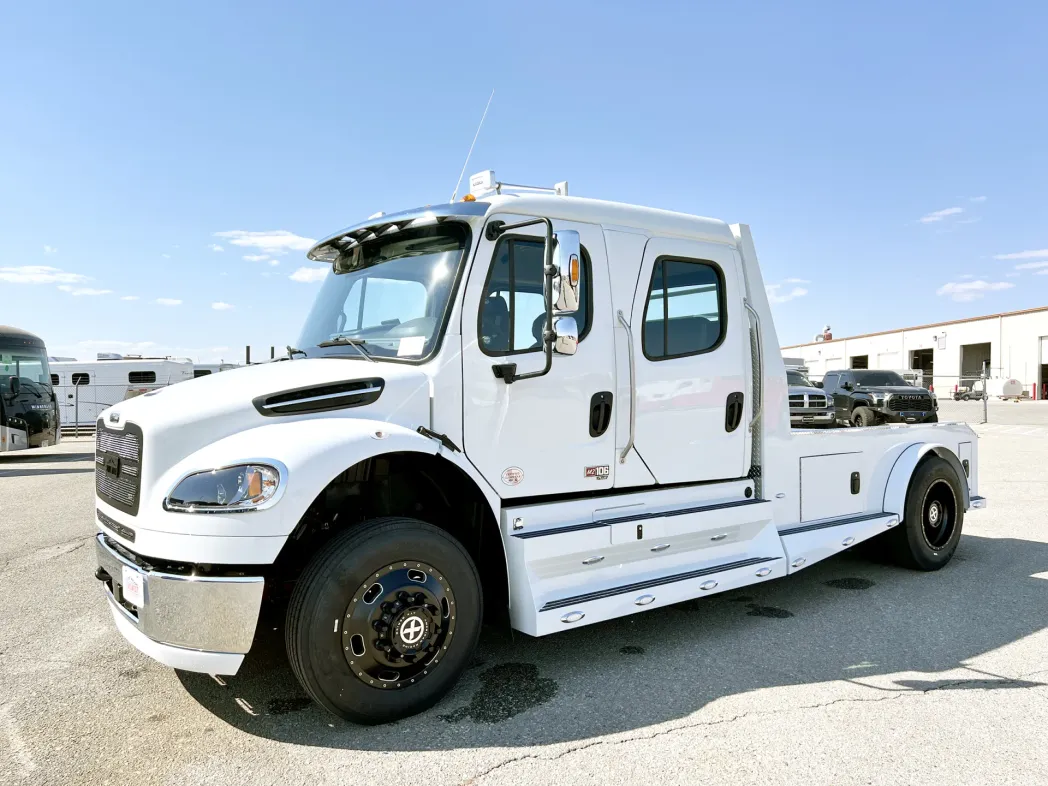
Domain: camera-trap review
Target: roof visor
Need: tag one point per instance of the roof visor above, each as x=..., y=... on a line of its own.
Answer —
x=329, y=249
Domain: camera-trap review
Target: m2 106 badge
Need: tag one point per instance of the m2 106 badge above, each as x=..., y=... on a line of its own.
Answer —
x=603, y=472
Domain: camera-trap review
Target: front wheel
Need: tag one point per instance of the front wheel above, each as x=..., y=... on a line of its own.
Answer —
x=863, y=416
x=932, y=518
x=384, y=620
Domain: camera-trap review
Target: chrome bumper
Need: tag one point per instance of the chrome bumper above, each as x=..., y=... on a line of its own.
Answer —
x=821, y=417
x=978, y=503
x=214, y=614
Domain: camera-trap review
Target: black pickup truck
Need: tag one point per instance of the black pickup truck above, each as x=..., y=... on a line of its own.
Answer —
x=867, y=398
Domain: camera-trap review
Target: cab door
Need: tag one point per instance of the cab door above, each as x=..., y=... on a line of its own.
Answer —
x=552, y=434
x=691, y=350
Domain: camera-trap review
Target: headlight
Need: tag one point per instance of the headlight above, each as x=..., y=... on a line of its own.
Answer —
x=227, y=490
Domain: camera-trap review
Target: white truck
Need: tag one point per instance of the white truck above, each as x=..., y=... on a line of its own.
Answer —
x=523, y=405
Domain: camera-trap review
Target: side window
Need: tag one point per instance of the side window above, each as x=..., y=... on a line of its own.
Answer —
x=141, y=377
x=54, y=380
x=513, y=310
x=201, y=372
x=81, y=378
x=829, y=383
x=685, y=313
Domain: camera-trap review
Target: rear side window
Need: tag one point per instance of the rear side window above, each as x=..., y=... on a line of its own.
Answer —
x=829, y=382
x=141, y=377
x=513, y=310
x=54, y=380
x=81, y=378
x=201, y=372
x=685, y=313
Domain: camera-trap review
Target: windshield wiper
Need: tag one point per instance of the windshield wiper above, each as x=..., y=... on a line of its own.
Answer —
x=292, y=351
x=345, y=341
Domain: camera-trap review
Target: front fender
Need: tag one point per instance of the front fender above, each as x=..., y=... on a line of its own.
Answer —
x=899, y=479
x=314, y=453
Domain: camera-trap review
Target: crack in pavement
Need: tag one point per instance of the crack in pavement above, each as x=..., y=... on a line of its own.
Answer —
x=742, y=716
x=23, y=560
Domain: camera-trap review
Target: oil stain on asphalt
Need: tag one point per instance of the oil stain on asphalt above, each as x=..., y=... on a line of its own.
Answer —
x=506, y=690
x=767, y=611
x=850, y=583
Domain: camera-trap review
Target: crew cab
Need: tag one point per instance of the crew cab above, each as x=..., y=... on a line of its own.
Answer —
x=870, y=397
x=809, y=405
x=545, y=409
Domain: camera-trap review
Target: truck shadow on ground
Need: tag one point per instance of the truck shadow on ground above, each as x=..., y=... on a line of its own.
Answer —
x=848, y=618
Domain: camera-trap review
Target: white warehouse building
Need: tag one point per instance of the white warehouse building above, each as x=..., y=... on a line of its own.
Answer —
x=1012, y=345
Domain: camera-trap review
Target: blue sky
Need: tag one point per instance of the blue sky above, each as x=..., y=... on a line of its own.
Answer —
x=891, y=161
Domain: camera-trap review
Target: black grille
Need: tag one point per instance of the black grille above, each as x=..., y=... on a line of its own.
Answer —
x=796, y=398
x=816, y=401
x=910, y=404
x=115, y=526
x=118, y=466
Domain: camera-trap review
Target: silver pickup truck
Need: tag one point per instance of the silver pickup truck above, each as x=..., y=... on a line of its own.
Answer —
x=809, y=405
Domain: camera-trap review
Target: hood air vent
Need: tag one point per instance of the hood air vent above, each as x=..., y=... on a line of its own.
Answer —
x=320, y=398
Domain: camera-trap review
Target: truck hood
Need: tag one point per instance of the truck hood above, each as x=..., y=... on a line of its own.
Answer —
x=796, y=390
x=893, y=390
x=178, y=420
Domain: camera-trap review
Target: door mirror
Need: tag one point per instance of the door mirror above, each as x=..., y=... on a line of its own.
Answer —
x=846, y=386
x=567, y=261
x=15, y=384
x=566, y=338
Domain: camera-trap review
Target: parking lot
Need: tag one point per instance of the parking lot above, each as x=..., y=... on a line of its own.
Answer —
x=853, y=671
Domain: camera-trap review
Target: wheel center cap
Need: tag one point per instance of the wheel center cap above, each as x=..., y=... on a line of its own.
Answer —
x=933, y=514
x=411, y=630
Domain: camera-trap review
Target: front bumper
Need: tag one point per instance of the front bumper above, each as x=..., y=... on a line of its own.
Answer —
x=820, y=417
x=196, y=623
x=919, y=416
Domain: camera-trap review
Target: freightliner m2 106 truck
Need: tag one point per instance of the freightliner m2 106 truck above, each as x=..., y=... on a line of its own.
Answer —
x=524, y=405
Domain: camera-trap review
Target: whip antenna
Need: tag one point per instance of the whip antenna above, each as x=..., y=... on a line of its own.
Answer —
x=466, y=162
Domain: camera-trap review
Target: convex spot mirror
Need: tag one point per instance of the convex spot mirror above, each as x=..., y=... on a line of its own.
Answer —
x=566, y=336
x=15, y=384
x=567, y=263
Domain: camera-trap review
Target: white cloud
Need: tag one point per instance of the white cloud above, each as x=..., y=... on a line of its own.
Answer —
x=1043, y=252
x=39, y=274
x=256, y=257
x=977, y=199
x=278, y=241
x=1012, y=275
x=50, y=250
x=166, y=256
x=167, y=301
x=968, y=275
x=776, y=295
x=1042, y=273
x=129, y=297
x=1032, y=265
x=221, y=306
x=971, y=290
x=309, y=275
x=797, y=281
x=939, y=215
x=274, y=262
x=78, y=291
x=216, y=247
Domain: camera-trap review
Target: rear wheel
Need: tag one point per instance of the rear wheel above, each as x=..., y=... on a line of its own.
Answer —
x=966, y=397
x=932, y=519
x=384, y=620
x=863, y=416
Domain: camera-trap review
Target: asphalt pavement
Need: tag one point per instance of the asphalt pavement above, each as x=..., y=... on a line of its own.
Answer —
x=852, y=672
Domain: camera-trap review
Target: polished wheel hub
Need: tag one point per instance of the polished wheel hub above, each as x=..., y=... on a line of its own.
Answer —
x=398, y=625
x=938, y=509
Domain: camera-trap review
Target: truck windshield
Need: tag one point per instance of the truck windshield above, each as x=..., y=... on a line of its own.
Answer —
x=879, y=379
x=29, y=364
x=797, y=379
x=388, y=297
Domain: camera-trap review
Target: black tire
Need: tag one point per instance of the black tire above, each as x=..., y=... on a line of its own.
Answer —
x=325, y=591
x=932, y=519
x=966, y=397
x=863, y=416
x=933, y=419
